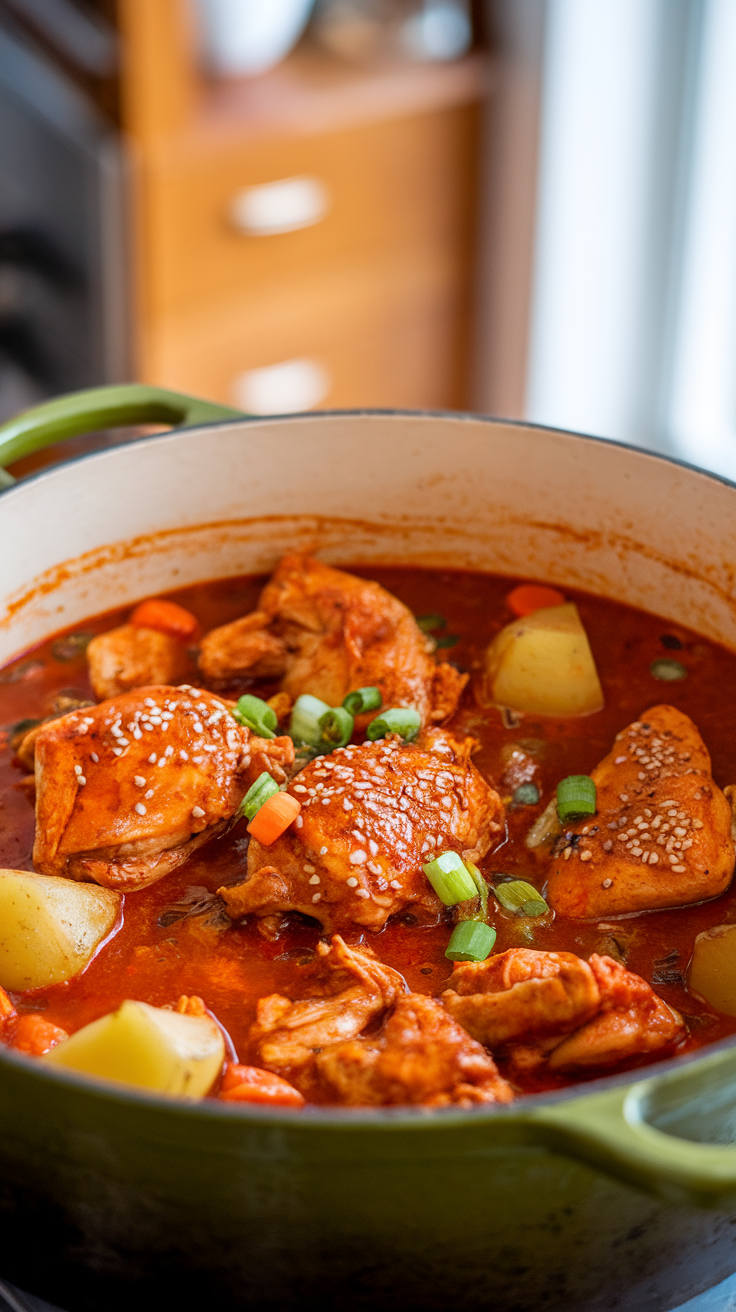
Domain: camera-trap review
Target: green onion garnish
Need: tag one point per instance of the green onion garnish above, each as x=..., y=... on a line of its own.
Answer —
x=362, y=699
x=403, y=720
x=336, y=728
x=450, y=879
x=668, y=670
x=481, y=889
x=575, y=797
x=447, y=640
x=258, y=793
x=256, y=715
x=523, y=898
x=305, y=717
x=471, y=940
x=428, y=623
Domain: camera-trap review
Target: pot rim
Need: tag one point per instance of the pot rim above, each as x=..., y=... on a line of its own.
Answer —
x=320, y=1117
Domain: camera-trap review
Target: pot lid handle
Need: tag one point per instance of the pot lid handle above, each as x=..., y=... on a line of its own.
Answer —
x=673, y=1134
x=101, y=407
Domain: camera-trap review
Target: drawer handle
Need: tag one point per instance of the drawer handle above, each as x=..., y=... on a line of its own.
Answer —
x=283, y=206
x=282, y=389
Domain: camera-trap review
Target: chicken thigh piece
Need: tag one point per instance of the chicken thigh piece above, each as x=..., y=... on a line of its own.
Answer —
x=661, y=836
x=326, y=632
x=128, y=789
x=371, y=817
x=133, y=657
x=419, y=1056
x=553, y=1007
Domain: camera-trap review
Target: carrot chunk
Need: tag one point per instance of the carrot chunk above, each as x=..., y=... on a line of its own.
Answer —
x=274, y=817
x=165, y=616
x=250, y=1084
x=35, y=1035
x=529, y=597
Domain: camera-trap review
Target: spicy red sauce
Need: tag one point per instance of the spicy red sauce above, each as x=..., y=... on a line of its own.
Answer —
x=174, y=937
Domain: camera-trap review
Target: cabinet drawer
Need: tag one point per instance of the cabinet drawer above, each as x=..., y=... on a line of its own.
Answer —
x=378, y=186
x=378, y=333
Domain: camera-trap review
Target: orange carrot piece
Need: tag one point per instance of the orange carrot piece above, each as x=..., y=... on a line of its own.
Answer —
x=6, y=1007
x=165, y=616
x=274, y=818
x=529, y=597
x=250, y=1084
x=35, y=1035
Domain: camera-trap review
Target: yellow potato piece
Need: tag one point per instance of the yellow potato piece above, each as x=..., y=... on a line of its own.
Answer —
x=150, y=1047
x=49, y=927
x=713, y=968
x=543, y=664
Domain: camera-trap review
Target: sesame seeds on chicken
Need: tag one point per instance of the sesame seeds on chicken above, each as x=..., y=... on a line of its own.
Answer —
x=662, y=833
x=126, y=790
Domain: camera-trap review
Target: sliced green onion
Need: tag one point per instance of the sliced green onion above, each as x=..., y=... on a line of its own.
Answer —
x=481, y=889
x=471, y=940
x=450, y=879
x=523, y=898
x=305, y=717
x=447, y=640
x=668, y=670
x=525, y=795
x=336, y=728
x=258, y=793
x=428, y=623
x=257, y=715
x=403, y=720
x=362, y=699
x=575, y=797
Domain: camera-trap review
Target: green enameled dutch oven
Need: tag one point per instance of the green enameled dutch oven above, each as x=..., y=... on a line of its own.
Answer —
x=620, y=1194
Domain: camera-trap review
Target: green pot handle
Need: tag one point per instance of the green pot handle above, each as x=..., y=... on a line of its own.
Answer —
x=101, y=407
x=612, y=1130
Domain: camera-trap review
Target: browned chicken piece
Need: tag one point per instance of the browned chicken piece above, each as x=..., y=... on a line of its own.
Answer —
x=128, y=789
x=661, y=836
x=132, y=657
x=632, y=1022
x=371, y=816
x=419, y=1056
x=553, y=1007
x=355, y=988
x=327, y=632
x=23, y=741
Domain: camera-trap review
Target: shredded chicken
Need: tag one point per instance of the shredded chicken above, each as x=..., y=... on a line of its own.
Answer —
x=554, y=1007
x=420, y=1055
x=133, y=657
x=326, y=632
x=372, y=815
x=661, y=836
x=128, y=789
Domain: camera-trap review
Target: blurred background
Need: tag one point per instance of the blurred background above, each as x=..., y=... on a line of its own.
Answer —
x=521, y=207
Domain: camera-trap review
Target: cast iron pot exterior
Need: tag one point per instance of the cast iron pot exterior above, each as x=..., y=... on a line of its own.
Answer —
x=620, y=1194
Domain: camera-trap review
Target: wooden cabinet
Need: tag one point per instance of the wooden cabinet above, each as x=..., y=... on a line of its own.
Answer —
x=372, y=292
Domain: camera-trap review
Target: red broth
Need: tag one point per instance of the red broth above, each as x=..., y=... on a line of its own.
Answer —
x=174, y=937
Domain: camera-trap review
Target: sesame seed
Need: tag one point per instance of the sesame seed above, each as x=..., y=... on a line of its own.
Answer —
x=184, y=755
x=362, y=892
x=77, y=769
x=161, y=761
x=636, y=851
x=586, y=856
x=149, y=793
x=358, y=858
x=299, y=788
x=653, y=858
x=394, y=883
x=323, y=851
x=309, y=869
x=95, y=757
x=567, y=853
x=117, y=751
x=198, y=726
x=679, y=869
x=152, y=758
x=619, y=760
x=606, y=883
x=197, y=812
x=298, y=822
x=697, y=824
x=140, y=808
x=352, y=882
x=316, y=897
x=314, y=879
x=81, y=779
x=139, y=781
x=346, y=805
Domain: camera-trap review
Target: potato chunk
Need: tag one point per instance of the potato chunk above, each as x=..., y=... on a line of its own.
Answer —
x=49, y=927
x=543, y=664
x=150, y=1047
x=713, y=968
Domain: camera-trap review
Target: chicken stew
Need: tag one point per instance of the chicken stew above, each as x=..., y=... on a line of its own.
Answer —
x=369, y=838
